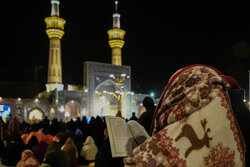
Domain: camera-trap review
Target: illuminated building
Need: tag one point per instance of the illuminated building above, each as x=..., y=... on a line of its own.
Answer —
x=103, y=89
x=116, y=38
x=108, y=89
x=106, y=86
x=55, y=32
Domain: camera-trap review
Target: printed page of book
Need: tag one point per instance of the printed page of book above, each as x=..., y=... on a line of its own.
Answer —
x=138, y=132
x=120, y=137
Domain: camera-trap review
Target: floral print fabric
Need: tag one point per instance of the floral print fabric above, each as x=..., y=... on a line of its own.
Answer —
x=192, y=120
x=190, y=91
x=28, y=160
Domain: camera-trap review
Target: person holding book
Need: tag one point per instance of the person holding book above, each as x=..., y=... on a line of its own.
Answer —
x=104, y=154
x=194, y=123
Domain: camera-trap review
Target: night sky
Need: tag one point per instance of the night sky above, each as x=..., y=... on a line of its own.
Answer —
x=161, y=37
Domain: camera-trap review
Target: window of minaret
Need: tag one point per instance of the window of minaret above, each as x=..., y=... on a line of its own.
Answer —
x=52, y=23
x=56, y=57
x=51, y=52
x=59, y=61
x=49, y=73
x=54, y=72
x=59, y=72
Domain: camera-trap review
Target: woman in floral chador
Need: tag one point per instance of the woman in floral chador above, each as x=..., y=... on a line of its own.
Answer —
x=193, y=124
x=28, y=159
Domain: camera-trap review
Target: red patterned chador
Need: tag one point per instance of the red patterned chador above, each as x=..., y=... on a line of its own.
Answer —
x=193, y=124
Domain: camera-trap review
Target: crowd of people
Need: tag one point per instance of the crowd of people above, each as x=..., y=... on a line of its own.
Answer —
x=69, y=138
x=75, y=142
x=200, y=120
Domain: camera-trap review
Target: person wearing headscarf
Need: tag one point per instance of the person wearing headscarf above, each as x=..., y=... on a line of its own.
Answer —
x=133, y=117
x=70, y=147
x=104, y=156
x=40, y=150
x=28, y=159
x=13, y=126
x=89, y=149
x=32, y=143
x=55, y=156
x=2, y=125
x=97, y=127
x=119, y=114
x=146, y=118
x=2, y=136
x=12, y=152
x=242, y=116
x=193, y=124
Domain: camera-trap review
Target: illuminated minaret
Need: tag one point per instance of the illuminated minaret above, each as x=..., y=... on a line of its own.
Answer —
x=55, y=32
x=116, y=38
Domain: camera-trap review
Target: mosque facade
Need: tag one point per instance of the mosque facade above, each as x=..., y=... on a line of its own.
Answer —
x=106, y=90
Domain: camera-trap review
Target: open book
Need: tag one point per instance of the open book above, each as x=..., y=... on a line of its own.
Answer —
x=124, y=137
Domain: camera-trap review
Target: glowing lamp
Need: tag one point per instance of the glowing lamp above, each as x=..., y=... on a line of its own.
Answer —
x=61, y=109
x=123, y=75
x=67, y=114
x=111, y=76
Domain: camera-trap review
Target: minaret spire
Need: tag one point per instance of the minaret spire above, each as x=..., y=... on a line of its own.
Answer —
x=55, y=32
x=116, y=17
x=55, y=7
x=116, y=38
x=116, y=6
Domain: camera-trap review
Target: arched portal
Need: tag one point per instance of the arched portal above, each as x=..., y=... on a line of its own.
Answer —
x=36, y=115
x=72, y=110
x=105, y=102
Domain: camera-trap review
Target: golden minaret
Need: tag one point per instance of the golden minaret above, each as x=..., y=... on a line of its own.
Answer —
x=116, y=38
x=55, y=32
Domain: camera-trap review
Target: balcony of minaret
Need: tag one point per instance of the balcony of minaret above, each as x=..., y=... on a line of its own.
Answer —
x=55, y=26
x=116, y=38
